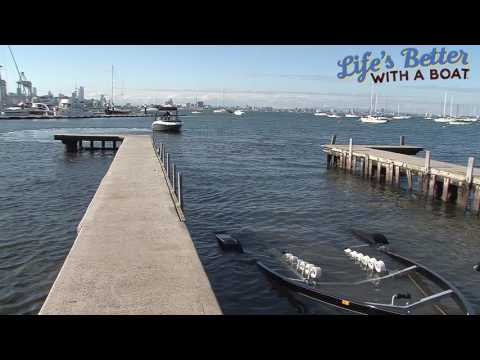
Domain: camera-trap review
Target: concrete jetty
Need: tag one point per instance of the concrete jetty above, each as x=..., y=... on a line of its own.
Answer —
x=388, y=163
x=132, y=254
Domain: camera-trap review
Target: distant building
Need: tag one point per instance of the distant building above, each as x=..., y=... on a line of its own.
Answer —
x=34, y=91
x=81, y=93
x=3, y=92
x=200, y=104
x=169, y=102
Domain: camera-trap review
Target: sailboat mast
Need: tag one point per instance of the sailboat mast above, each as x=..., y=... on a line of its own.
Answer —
x=112, y=86
x=376, y=102
x=451, y=106
x=398, y=111
x=445, y=105
x=371, y=99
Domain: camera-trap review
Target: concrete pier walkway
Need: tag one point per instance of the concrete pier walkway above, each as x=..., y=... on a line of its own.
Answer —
x=132, y=254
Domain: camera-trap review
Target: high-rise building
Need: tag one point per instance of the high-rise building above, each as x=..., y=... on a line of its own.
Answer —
x=34, y=91
x=81, y=93
x=200, y=104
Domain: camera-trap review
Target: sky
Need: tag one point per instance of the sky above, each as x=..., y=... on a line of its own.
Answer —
x=278, y=76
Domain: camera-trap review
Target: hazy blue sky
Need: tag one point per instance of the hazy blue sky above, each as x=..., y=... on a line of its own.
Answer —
x=257, y=75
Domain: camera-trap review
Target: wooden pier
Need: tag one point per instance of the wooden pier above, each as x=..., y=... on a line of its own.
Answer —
x=76, y=142
x=390, y=163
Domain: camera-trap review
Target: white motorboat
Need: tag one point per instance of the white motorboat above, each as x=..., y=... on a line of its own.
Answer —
x=370, y=119
x=167, y=120
x=219, y=110
x=238, y=112
x=333, y=115
x=351, y=116
x=320, y=114
x=443, y=119
x=471, y=119
x=196, y=112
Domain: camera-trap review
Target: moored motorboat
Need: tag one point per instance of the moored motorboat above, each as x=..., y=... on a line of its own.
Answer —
x=238, y=112
x=167, y=120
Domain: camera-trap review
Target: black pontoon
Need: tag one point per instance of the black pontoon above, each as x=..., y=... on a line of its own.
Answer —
x=423, y=291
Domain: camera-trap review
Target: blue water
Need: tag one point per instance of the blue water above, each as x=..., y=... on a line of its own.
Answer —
x=261, y=177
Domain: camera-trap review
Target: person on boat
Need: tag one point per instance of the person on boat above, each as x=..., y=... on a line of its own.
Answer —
x=167, y=115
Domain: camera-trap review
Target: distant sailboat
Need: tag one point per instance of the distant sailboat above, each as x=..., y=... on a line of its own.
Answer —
x=372, y=119
x=399, y=117
x=444, y=118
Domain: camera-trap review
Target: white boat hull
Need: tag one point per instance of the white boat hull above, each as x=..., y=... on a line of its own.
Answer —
x=373, y=120
x=442, y=120
x=160, y=125
x=238, y=112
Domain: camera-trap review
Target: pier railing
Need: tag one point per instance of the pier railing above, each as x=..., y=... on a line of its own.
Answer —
x=173, y=177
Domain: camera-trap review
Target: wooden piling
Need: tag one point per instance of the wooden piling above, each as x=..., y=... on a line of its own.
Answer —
x=80, y=144
x=420, y=183
x=91, y=144
x=402, y=140
x=379, y=171
x=114, y=145
x=370, y=168
x=329, y=160
x=103, y=144
x=333, y=139
x=409, y=180
x=476, y=201
x=397, y=175
x=445, y=189
x=469, y=175
x=427, y=161
x=350, y=153
x=354, y=164
x=433, y=186
x=462, y=195
x=167, y=166
x=426, y=180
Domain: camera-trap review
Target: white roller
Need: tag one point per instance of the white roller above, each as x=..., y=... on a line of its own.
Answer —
x=371, y=263
x=307, y=269
x=294, y=260
x=365, y=260
x=347, y=251
x=353, y=254
x=380, y=266
x=315, y=272
x=301, y=265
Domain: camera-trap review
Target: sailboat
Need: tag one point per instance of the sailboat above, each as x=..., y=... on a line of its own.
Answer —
x=222, y=110
x=399, y=117
x=351, y=114
x=110, y=110
x=372, y=119
x=444, y=118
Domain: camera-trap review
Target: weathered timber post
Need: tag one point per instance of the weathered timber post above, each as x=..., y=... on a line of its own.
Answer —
x=379, y=170
x=366, y=161
x=462, y=195
x=114, y=144
x=445, y=190
x=70, y=145
x=433, y=186
x=469, y=175
x=476, y=201
x=354, y=163
x=397, y=175
x=329, y=160
x=420, y=183
x=402, y=140
x=350, y=153
x=427, y=162
x=409, y=180
x=80, y=144
x=333, y=139
x=91, y=144
x=103, y=144
x=370, y=168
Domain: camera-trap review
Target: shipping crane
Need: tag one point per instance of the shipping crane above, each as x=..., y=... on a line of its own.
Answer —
x=24, y=86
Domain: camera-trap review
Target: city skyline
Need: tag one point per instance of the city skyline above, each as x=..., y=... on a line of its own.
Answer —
x=276, y=76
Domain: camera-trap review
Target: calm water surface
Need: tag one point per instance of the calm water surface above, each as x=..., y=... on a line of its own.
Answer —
x=260, y=177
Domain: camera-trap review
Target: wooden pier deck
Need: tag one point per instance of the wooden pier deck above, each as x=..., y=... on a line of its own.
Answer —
x=133, y=254
x=389, y=163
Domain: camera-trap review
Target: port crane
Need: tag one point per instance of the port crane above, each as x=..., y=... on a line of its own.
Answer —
x=24, y=85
